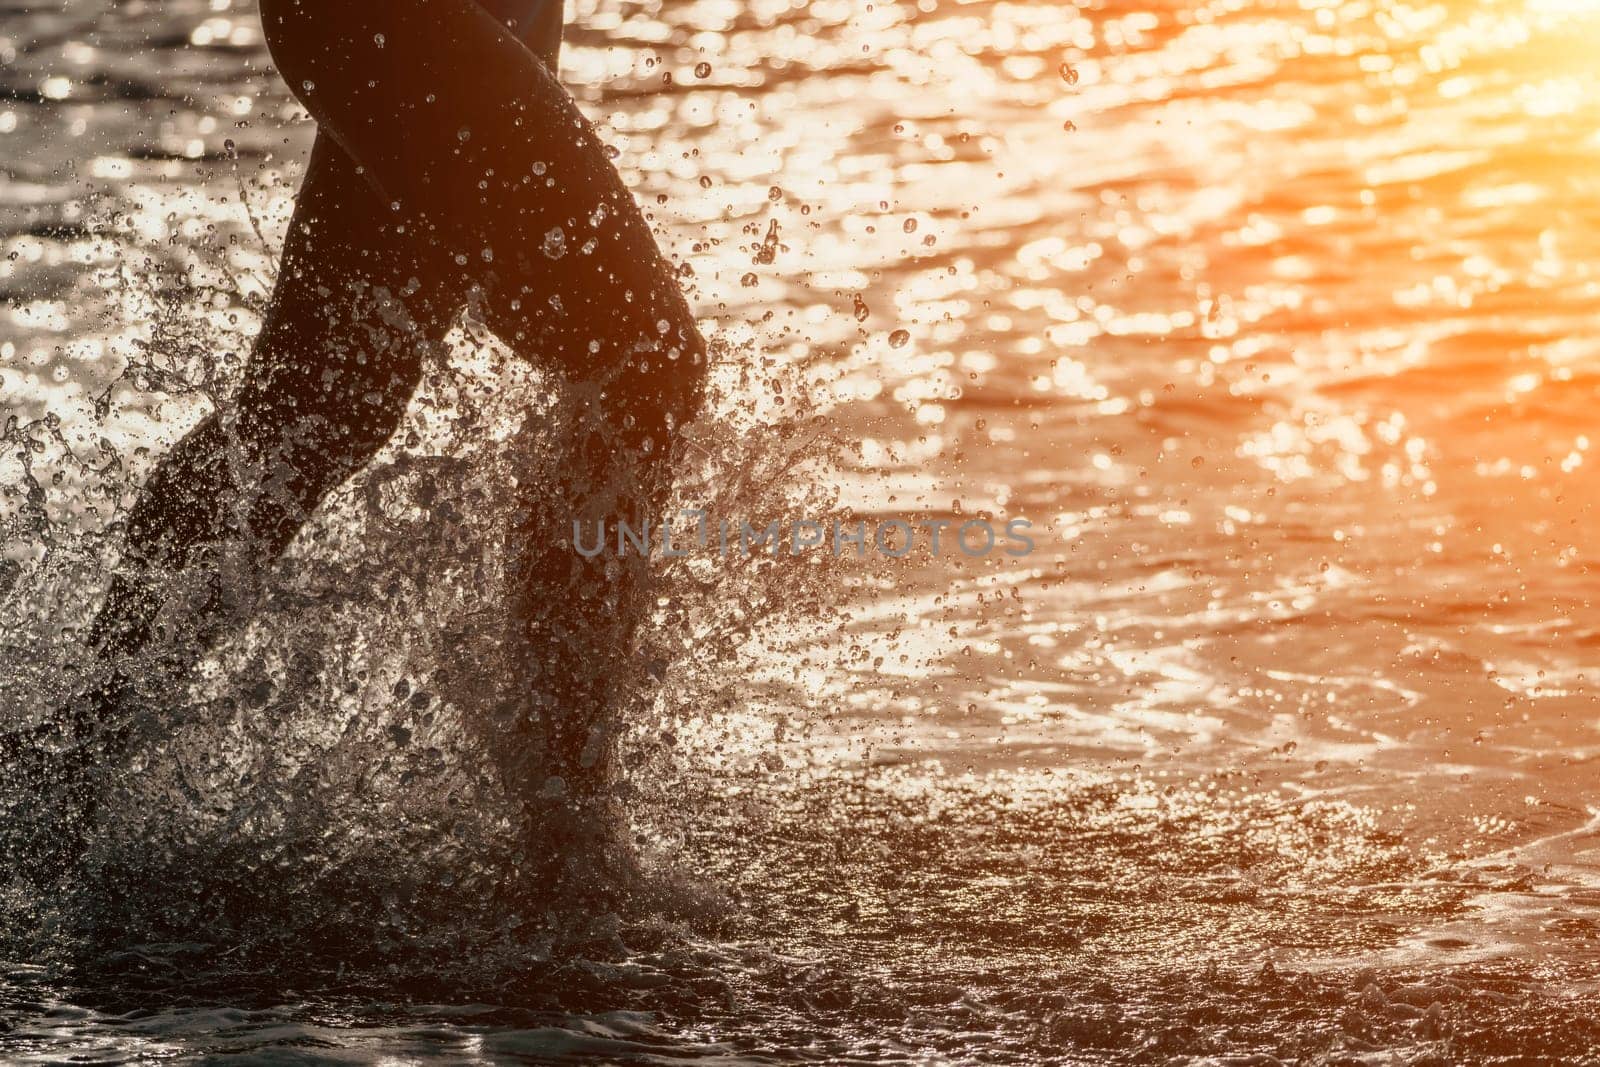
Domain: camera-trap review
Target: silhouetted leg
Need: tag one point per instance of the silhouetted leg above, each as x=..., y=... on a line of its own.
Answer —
x=337, y=359
x=484, y=151
x=574, y=616
x=339, y=355
x=357, y=304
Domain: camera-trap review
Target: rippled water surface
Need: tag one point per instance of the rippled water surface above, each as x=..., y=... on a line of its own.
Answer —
x=1276, y=318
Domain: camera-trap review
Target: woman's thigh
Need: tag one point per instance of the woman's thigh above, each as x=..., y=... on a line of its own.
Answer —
x=423, y=94
x=486, y=157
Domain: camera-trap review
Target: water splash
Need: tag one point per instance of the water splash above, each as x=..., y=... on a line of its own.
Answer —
x=333, y=781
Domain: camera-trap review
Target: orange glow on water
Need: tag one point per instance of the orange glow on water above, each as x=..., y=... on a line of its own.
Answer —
x=1279, y=319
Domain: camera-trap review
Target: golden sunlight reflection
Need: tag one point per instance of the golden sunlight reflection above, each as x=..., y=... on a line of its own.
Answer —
x=1275, y=319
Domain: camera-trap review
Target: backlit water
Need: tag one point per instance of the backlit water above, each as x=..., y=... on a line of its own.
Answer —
x=1275, y=318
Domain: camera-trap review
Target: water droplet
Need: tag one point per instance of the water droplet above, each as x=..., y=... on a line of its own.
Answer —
x=775, y=194
x=702, y=69
x=555, y=243
x=910, y=226
x=899, y=338
x=705, y=181
x=378, y=39
x=767, y=251
x=1069, y=74
x=308, y=85
x=750, y=281
x=464, y=134
x=862, y=311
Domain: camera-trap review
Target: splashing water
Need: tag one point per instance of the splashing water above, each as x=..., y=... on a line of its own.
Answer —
x=1273, y=319
x=330, y=773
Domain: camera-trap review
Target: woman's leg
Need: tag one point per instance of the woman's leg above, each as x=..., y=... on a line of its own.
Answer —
x=331, y=373
x=355, y=308
x=479, y=149
x=338, y=357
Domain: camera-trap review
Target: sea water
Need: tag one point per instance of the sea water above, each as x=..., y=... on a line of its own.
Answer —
x=1273, y=318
